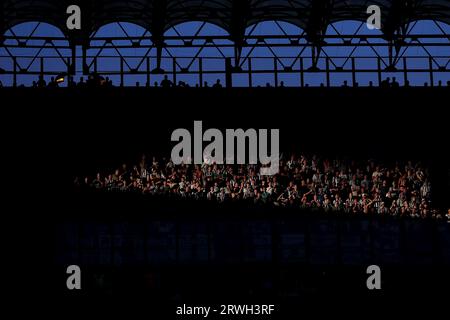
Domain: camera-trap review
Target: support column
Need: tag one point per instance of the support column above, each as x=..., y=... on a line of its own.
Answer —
x=73, y=64
x=275, y=69
x=228, y=73
x=353, y=71
x=121, y=72
x=302, y=74
x=430, y=66
x=200, y=71
x=327, y=64
x=148, y=72
x=14, y=72
x=42, y=66
x=174, y=71
x=405, y=71
x=379, y=71
x=85, y=65
x=250, y=73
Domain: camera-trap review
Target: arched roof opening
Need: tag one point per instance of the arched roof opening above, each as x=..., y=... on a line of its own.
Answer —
x=34, y=47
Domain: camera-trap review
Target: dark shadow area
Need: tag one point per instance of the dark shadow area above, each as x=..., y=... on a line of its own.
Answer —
x=258, y=254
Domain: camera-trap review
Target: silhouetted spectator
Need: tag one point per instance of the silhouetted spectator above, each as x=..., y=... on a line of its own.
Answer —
x=108, y=83
x=345, y=84
x=91, y=81
x=386, y=83
x=71, y=83
x=394, y=83
x=166, y=83
x=52, y=83
x=41, y=82
x=217, y=84
x=81, y=83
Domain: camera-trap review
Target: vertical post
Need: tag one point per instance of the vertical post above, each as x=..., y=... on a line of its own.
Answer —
x=275, y=69
x=327, y=64
x=430, y=66
x=73, y=64
x=391, y=63
x=302, y=76
x=14, y=72
x=69, y=68
x=85, y=65
x=250, y=73
x=379, y=70
x=174, y=72
x=148, y=72
x=228, y=73
x=95, y=65
x=42, y=67
x=121, y=72
x=200, y=71
x=405, y=71
x=353, y=72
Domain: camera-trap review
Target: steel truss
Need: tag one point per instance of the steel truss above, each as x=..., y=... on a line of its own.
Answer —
x=311, y=57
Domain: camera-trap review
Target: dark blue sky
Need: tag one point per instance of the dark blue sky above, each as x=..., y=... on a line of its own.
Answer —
x=262, y=58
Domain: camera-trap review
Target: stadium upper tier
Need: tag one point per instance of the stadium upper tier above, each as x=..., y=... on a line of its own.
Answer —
x=234, y=16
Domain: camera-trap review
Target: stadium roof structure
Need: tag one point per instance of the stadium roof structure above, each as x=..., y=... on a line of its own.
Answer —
x=234, y=16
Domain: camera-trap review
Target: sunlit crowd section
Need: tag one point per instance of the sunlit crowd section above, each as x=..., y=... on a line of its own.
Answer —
x=309, y=182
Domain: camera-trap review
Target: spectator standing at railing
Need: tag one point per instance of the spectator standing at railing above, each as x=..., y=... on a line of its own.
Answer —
x=166, y=83
x=41, y=82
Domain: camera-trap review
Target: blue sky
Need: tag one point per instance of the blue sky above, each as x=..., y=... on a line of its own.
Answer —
x=262, y=58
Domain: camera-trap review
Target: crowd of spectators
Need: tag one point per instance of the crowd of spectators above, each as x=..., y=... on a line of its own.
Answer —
x=305, y=182
x=97, y=81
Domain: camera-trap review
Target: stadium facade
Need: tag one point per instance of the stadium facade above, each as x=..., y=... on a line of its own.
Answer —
x=312, y=47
